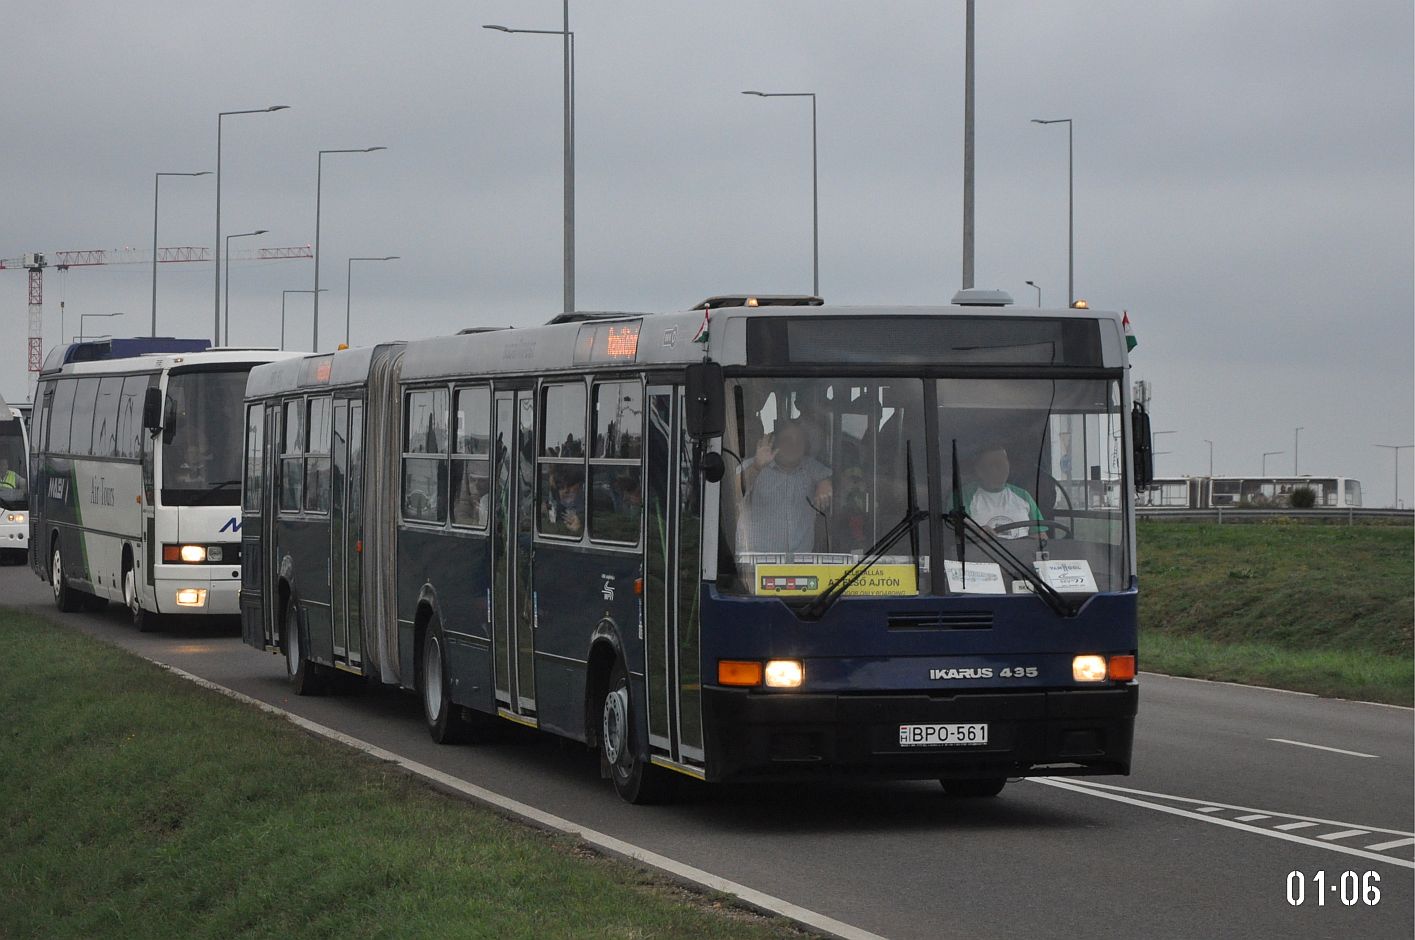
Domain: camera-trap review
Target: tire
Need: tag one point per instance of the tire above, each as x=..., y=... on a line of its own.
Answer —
x=447, y=722
x=974, y=789
x=635, y=780
x=306, y=678
x=66, y=598
x=145, y=620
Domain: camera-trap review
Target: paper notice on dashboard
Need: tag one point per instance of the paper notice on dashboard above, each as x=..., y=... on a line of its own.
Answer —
x=976, y=577
x=1067, y=575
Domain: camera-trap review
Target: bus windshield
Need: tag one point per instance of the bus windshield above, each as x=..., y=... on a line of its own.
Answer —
x=14, y=491
x=201, y=455
x=817, y=472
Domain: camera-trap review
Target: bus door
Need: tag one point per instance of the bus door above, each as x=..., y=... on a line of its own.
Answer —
x=346, y=529
x=513, y=514
x=270, y=570
x=354, y=538
x=672, y=582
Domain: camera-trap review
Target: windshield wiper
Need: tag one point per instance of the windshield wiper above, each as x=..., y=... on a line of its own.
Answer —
x=965, y=526
x=913, y=515
x=212, y=491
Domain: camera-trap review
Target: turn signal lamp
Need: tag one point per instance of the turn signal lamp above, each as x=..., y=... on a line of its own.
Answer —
x=1088, y=668
x=738, y=672
x=784, y=673
x=1122, y=668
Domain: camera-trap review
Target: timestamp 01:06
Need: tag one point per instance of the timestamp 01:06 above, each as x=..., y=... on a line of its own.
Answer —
x=1349, y=888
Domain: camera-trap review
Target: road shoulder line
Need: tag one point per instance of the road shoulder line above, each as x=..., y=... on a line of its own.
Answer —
x=1270, y=688
x=609, y=844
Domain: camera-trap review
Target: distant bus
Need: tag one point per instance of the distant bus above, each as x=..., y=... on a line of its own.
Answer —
x=1250, y=492
x=592, y=528
x=136, y=476
x=14, y=484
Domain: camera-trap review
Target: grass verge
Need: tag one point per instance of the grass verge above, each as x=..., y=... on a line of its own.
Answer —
x=1322, y=609
x=136, y=804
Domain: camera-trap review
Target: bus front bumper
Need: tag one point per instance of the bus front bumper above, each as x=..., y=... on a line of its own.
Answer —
x=206, y=589
x=755, y=735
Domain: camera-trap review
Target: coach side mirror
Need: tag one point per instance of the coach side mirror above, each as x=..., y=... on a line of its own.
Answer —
x=1143, y=454
x=711, y=466
x=705, y=408
x=152, y=410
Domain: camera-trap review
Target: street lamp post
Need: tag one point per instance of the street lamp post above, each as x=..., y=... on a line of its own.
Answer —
x=1033, y=284
x=1211, y=456
x=85, y=316
x=156, y=181
x=283, y=294
x=318, y=185
x=227, y=331
x=349, y=286
x=1070, y=211
x=1395, y=450
x=1266, y=455
x=1296, y=432
x=569, y=74
x=815, y=184
x=216, y=290
x=968, y=145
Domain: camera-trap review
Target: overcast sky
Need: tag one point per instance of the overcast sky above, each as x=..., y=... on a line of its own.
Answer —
x=1243, y=178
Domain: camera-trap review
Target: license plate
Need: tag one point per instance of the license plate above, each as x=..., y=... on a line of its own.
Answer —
x=929, y=735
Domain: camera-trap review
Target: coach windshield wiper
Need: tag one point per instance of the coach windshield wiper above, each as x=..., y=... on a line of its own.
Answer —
x=913, y=515
x=212, y=491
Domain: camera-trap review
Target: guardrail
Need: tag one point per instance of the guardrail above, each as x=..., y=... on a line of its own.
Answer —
x=1322, y=516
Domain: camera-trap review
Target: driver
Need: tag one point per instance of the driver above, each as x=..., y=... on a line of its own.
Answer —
x=9, y=479
x=785, y=489
x=994, y=502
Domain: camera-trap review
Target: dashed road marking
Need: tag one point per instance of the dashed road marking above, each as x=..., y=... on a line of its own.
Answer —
x=1296, y=825
x=1252, y=817
x=1323, y=747
x=1393, y=844
x=1344, y=834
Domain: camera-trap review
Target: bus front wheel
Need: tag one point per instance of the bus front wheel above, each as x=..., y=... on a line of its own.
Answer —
x=447, y=722
x=306, y=678
x=635, y=779
x=145, y=620
x=972, y=789
x=66, y=598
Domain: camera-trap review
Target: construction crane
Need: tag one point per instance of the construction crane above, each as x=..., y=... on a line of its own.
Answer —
x=35, y=263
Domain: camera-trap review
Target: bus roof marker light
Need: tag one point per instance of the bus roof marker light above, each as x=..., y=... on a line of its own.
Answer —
x=1080, y=304
x=981, y=297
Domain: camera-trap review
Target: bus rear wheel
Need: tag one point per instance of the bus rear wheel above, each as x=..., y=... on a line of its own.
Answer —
x=635, y=779
x=447, y=722
x=306, y=678
x=66, y=598
x=973, y=789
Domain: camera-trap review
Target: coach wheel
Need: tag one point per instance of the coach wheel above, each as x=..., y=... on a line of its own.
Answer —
x=305, y=677
x=969, y=789
x=145, y=620
x=65, y=598
x=445, y=719
x=635, y=780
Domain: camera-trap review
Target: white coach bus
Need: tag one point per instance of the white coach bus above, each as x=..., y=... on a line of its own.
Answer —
x=14, y=479
x=137, y=477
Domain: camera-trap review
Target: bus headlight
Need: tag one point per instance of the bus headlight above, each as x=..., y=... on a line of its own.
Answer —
x=784, y=673
x=1088, y=668
x=193, y=554
x=191, y=597
x=15, y=517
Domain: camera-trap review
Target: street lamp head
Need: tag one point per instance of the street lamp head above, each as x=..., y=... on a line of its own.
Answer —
x=389, y=258
x=759, y=94
x=202, y=173
x=1031, y=283
x=372, y=149
x=499, y=29
x=278, y=107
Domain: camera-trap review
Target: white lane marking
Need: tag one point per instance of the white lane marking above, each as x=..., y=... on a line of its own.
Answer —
x=1323, y=747
x=1393, y=844
x=750, y=896
x=1063, y=784
x=1251, y=817
x=1082, y=781
x=1210, y=809
x=1297, y=825
x=1268, y=688
x=1344, y=834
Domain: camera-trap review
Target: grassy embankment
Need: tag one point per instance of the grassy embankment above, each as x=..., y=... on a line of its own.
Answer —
x=1324, y=609
x=133, y=803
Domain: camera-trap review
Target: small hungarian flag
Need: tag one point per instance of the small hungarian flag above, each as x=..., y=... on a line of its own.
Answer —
x=701, y=336
x=1130, y=341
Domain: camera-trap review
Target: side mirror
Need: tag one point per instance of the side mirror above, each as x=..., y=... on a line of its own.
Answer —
x=1144, y=455
x=705, y=408
x=152, y=409
x=711, y=466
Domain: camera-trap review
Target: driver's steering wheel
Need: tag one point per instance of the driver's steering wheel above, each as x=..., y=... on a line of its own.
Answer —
x=1029, y=523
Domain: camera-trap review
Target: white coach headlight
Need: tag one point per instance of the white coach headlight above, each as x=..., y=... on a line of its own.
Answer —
x=15, y=517
x=193, y=554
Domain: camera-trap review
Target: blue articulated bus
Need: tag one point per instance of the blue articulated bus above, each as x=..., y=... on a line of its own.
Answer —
x=764, y=538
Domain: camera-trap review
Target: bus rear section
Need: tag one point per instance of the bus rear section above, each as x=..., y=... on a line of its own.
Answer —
x=14, y=485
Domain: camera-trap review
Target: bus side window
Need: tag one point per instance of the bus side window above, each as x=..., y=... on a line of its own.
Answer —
x=292, y=466
x=129, y=442
x=81, y=428
x=425, y=456
x=471, y=448
x=61, y=415
x=255, y=456
x=317, y=430
x=616, y=502
x=561, y=460
x=105, y=416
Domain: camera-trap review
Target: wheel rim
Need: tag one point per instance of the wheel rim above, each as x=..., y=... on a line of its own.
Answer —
x=56, y=574
x=292, y=642
x=616, y=726
x=432, y=679
x=130, y=592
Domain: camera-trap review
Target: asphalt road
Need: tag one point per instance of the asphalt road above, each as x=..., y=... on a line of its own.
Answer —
x=1233, y=789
